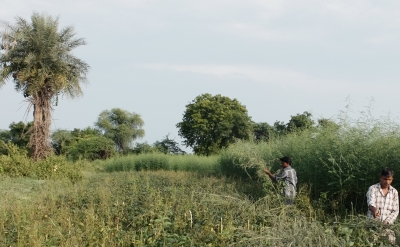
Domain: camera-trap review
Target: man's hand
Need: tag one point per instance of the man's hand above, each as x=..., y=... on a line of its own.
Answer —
x=269, y=173
x=375, y=212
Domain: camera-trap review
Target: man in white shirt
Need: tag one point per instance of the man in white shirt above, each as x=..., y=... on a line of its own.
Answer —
x=383, y=202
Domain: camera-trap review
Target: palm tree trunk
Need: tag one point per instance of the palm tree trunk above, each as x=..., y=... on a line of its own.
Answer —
x=40, y=138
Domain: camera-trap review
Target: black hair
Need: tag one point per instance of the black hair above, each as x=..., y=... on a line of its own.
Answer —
x=387, y=172
x=286, y=159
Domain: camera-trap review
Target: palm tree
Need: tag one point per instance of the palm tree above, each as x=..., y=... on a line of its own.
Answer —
x=38, y=59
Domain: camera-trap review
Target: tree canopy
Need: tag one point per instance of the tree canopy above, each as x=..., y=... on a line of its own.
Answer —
x=211, y=123
x=37, y=57
x=262, y=131
x=62, y=139
x=300, y=122
x=168, y=146
x=18, y=134
x=121, y=126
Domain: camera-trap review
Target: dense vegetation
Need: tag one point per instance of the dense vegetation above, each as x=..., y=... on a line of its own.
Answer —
x=93, y=187
x=166, y=208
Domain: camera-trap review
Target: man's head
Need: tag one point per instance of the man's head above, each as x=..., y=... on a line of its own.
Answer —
x=386, y=177
x=285, y=161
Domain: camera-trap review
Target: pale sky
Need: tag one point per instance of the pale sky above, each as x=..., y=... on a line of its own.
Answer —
x=278, y=58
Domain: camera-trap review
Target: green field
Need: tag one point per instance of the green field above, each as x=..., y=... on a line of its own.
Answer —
x=162, y=208
x=186, y=200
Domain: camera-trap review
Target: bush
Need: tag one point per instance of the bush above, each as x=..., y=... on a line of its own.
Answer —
x=92, y=148
x=3, y=148
x=17, y=164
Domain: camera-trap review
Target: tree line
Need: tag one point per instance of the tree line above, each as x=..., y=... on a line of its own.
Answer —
x=114, y=132
x=209, y=124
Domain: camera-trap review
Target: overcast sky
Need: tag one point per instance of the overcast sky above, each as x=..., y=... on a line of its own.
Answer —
x=278, y=58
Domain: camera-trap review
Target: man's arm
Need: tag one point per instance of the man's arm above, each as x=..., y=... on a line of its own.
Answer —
x=371, y=202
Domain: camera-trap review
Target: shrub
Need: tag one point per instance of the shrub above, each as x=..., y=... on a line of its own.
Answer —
x=3, y=148
x=92, y=148
x=17, y=164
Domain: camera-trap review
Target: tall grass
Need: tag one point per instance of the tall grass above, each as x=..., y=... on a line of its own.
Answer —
x=162, y=208
x=157, y=161
x=338, y=163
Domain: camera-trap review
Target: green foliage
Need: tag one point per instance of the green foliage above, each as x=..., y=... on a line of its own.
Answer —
x=38, y=58
x=62, y=139
x=247, y=159
x=18, y=134
x=280, y=127
x=297, y=123
x=143, y=148
x=37, y=55
x=157, y=161
x=168, y=146
x=263, y=131
x=211, y=123
x=92, y=148
x=3, y=148
x=86, y=132
x=300, y=122
x=16, y=163
x=151, y=163
x=339, y=163
x=165, y=209
x=327, y=123
x=121, y=126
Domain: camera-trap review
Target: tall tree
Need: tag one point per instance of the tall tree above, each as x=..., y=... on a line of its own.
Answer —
x=262, y=131
x=37, y=57
x=121, y=126
x=300, y=122
x=211, y=123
